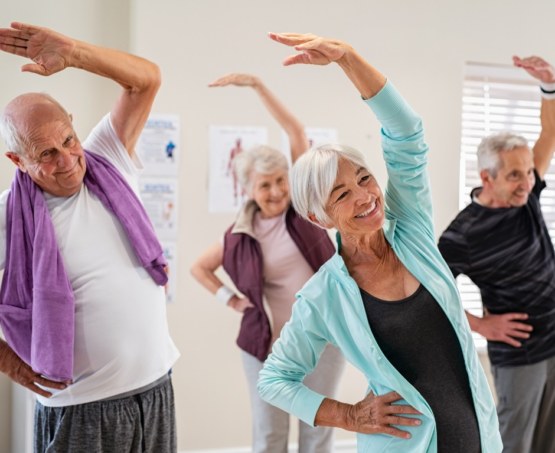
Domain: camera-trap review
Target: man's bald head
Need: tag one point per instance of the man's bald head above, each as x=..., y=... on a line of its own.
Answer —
x=25, y=112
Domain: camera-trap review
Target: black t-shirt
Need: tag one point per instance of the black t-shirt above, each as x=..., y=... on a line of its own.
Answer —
x=508, y=254
x=417, y=338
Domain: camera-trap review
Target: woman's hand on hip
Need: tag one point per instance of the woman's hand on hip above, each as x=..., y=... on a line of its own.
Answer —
x=379, y=415
x=240, y=304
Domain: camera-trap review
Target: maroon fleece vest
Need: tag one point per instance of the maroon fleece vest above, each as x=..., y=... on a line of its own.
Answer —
x=243, y=263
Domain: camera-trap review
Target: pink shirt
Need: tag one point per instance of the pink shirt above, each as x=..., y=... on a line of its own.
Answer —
x=285, y=269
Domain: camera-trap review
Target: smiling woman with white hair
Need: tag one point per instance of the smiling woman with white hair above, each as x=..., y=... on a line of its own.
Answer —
x=386, y=299
x=269, y=253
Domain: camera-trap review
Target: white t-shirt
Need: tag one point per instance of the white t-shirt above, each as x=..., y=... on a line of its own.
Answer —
x=122, y=340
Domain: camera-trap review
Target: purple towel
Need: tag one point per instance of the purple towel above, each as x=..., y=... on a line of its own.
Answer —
x=37, y=305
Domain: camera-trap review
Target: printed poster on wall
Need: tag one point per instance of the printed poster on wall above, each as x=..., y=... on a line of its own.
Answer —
x=315, y=135
x=158, y=146
x=226, y=143
x=170, y=253
x=320, y=136
x=159, y=197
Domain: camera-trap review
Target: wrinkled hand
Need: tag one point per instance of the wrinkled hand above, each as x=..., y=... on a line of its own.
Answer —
x=21, y=373
x=315, y=49
x=237, y=79
x=240, y=304
x=377, y=415
x=51, y=52
x=506, y=328
x=537, y=67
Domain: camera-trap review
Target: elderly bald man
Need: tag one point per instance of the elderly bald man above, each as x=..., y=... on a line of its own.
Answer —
x=82, y=304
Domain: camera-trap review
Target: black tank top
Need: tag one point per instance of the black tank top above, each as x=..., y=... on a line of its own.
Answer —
x=418, y=339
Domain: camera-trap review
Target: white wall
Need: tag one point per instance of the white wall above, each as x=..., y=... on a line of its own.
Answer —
x=421, y=46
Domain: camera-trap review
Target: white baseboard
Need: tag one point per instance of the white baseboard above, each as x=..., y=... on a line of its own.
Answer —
x=340, y=446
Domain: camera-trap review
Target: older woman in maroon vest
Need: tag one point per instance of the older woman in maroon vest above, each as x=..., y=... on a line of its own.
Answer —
x=269, y=253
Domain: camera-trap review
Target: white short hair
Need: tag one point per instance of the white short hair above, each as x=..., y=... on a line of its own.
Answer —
x=11, y=136
x=313, y=176
x=260, y=159
x=491, y=146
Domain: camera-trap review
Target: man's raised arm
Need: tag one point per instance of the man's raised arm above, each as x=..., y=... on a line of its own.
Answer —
x=52, y=52
x=545, y=145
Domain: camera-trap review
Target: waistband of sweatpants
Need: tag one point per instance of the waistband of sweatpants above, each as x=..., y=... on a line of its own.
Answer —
x=142, y=389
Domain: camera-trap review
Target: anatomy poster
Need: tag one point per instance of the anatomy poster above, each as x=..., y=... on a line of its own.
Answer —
x=226, y=143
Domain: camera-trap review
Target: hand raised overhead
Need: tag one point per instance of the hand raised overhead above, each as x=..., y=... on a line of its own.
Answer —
x=50, y=51
x=537, y=67
x=323, y=51
x=315, y=49
x=236, y=79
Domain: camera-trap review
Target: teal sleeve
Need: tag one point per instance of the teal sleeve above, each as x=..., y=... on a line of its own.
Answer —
x=407, y=194
x=294, y=355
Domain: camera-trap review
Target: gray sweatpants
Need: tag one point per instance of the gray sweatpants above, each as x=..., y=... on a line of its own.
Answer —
x=526, y=406
x=140, y=423
x=270, y=425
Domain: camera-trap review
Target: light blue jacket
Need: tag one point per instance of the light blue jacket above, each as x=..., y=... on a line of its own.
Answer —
x=329, y=308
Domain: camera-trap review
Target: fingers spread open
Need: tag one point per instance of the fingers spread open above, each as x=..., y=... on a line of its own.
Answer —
x=406, y=421
x=396, y=432
x=403, y=409
x=391, y=397
x=35, y=388
x=35, y=68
